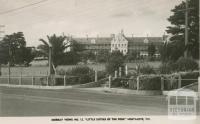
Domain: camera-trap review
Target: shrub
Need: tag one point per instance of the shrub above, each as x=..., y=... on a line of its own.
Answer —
x=132, y=83
x=185, y=64
x=115, y=61
x=147, y=69
x=150, y=83
x=119, y=82
x=101, y=74
x=77, y=75
x=165, y=68
x=190, y=75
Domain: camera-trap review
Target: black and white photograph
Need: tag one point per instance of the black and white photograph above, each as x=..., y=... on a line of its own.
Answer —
x=99, y=61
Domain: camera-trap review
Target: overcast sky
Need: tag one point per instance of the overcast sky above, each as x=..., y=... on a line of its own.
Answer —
x=81, y=17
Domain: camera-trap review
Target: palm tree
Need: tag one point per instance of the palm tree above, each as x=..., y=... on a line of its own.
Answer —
x=59, y=45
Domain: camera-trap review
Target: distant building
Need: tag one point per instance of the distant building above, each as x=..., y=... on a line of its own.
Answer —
x=121, y=43
x=95, y=44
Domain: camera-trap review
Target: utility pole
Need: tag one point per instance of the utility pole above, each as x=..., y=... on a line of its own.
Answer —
x=2, y=32
x=9, y=59
x=186, y=29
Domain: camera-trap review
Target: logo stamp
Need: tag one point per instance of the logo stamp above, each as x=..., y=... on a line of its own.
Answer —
x=182, y=104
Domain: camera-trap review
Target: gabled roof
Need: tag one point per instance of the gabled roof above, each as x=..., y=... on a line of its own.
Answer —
x=94, y=40
x=140, y=40
x=107, y=40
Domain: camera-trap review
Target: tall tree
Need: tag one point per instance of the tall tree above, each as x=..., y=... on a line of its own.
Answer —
x=177, y=29
x=115, y=61
x=59, y=45
x=19, y=53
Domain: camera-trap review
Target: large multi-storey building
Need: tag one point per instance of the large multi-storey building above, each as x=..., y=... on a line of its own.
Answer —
x=121, y=43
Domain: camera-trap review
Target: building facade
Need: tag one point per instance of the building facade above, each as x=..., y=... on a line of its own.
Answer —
x=120, y=43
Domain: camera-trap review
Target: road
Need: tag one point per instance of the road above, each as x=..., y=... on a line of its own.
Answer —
x=76, y=102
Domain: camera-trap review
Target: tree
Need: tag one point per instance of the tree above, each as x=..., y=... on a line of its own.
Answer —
x=133, y=55
x=177, y=29
x=4, y=57
x=115, y=61
x=19, y=53
x=75, y=46
x=59, y=46
x=87, y=55
x=102, y=56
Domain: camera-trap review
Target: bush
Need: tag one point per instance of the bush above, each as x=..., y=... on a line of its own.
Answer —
x=165, y=68
x=150, y=83
x=132, y=83
x=147, y=69
x=119, y=82
x=182, y=64
x=77, y=75
x=101, y=74
x=185, y=64
x=191, y=75
x=115, y=61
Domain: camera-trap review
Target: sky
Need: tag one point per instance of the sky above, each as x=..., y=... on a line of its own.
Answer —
x=86, y=17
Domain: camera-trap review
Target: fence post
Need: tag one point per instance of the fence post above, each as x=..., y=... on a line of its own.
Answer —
x=64, y=80
x=171, y=82
x=179, y=81
x=138, y=82
x=8, y=79
x=120, y=71
x=32, y=80
x=110, y=80
x=162, y=83
x=115, y=74
x=47, y=81
x=199, y=85
x=20, y=80
x=95, y=80
x=126, y=70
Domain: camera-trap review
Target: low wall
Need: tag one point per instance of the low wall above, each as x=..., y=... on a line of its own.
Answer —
x=136, y=92
x=87, y=85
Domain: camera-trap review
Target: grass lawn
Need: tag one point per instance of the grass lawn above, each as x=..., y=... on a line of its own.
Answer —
x=43, y=70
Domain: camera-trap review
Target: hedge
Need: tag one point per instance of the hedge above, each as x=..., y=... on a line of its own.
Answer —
x=189, y=75
x=150, y=83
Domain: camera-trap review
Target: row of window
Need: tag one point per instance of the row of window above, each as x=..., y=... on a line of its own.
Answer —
x=122, y=45
x=124, y=51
